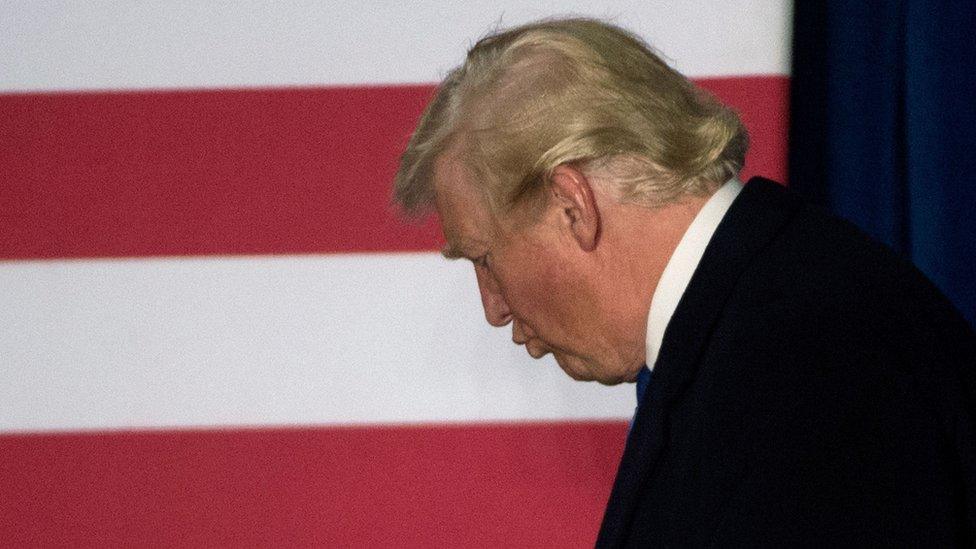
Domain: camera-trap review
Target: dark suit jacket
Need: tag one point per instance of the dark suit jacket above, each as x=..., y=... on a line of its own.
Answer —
x=812, y=390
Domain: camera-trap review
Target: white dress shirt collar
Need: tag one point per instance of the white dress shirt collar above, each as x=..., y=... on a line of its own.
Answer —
x=677, y=273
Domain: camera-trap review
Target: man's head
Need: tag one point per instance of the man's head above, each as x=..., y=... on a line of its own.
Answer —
x=566, y=159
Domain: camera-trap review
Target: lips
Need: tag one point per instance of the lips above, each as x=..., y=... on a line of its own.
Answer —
x=534, y=346
x=518, y=333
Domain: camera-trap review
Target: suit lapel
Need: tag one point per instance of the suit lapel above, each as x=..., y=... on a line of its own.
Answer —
x=755, y=217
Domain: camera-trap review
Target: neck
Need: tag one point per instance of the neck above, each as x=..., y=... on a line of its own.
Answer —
x=637, y=244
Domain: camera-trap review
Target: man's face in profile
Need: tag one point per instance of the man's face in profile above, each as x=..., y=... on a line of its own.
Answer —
x=531, y=276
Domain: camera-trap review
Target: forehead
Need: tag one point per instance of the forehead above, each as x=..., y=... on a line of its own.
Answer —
x=465, y=218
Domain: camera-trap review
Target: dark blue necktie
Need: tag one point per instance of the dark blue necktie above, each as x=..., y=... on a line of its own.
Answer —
x=643, y=379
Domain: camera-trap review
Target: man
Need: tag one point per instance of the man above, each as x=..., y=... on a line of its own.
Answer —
x=800, y=385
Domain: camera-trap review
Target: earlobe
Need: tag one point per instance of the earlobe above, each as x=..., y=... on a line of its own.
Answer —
x=573, y=194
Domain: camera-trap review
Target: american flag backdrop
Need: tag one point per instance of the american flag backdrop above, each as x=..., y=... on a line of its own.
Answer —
x=214, y=329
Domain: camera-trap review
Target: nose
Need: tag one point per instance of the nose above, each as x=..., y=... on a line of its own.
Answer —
x=497, y=312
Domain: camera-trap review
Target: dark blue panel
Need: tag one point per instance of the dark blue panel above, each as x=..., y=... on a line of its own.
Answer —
x=883, y=127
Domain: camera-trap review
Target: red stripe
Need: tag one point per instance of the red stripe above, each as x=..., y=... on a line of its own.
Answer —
x=526, y=485
x=241, y=172
x=763, y=104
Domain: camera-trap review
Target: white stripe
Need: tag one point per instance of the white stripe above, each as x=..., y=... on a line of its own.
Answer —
x=63, y=45
x=267, y=341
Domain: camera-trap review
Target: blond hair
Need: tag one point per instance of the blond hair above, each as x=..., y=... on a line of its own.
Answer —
x=577, y=91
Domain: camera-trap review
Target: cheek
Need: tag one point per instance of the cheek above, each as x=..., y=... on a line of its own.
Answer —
x=538, y=290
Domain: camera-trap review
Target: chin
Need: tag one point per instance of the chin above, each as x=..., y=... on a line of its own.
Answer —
x=583, y=370
x=615, y=379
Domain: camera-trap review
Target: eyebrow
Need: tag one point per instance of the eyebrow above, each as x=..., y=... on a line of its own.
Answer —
x=453, y=251
x=457, y=249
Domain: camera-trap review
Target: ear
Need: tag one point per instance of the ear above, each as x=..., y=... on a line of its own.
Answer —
x=571, y=192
